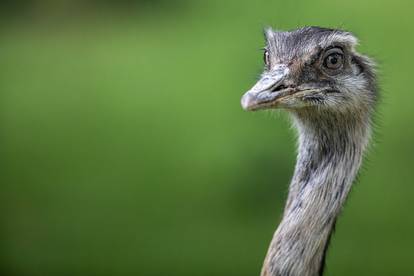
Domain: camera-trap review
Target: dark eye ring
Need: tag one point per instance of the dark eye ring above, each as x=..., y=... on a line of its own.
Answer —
x=266, y=57
x=334, y=59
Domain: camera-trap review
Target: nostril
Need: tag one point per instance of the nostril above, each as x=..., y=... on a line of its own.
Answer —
x=279, y=87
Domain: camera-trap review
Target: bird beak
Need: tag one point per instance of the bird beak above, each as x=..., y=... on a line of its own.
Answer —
x=266, y=93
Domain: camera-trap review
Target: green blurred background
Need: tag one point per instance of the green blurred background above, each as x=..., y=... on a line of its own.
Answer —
x=124, y=149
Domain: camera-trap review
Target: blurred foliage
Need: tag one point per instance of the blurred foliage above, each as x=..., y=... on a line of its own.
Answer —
x=125, y=151
x=52, y=7
x=32, y=3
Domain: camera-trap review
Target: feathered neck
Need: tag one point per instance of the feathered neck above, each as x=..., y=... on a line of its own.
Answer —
x=330, y=151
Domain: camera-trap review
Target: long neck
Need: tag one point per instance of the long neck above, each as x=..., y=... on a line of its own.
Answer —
x=329, y=156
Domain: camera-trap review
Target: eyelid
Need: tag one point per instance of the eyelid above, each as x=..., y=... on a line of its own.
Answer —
x=333, y=50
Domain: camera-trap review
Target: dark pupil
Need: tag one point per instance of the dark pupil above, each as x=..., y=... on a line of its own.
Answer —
x=333, y=60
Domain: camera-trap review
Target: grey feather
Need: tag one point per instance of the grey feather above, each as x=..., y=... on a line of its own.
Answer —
x=331, y=110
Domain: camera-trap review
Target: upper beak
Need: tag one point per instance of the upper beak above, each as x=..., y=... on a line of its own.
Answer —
x=266, y=93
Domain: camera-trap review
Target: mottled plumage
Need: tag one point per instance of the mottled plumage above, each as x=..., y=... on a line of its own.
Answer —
x=330, y=91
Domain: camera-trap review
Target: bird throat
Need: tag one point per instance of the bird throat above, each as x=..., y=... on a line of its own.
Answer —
x=330, y=150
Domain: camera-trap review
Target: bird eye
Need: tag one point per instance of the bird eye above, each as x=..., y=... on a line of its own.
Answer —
x=266, y=57
x=334, y=59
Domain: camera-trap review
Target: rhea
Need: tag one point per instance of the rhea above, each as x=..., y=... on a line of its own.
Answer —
x=329, y=89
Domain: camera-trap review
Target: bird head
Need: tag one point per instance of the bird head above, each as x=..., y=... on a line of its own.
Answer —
x=313, y=68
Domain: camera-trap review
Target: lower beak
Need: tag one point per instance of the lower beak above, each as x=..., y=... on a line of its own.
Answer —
x=267, y=91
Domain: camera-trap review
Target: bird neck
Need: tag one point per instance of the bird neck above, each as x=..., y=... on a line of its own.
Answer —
x=330, y=151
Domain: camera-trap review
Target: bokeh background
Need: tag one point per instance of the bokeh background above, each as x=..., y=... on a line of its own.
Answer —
x=124, y=150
